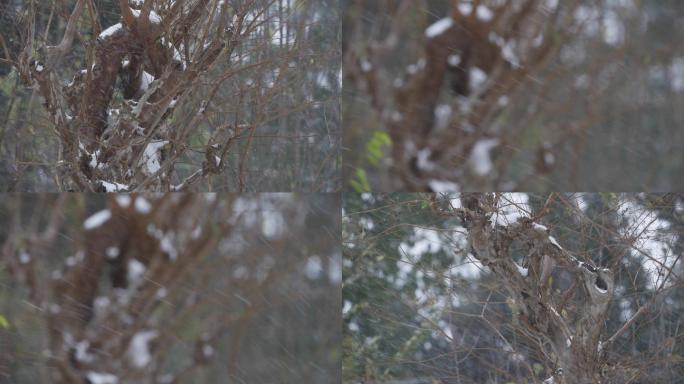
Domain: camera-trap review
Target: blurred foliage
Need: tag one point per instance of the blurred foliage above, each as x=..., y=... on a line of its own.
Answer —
x=609, y=134
x=279, y=312
x=376, y=147
x=360, y=184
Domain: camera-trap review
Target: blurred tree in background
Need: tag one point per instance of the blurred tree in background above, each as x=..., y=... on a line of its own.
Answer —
x=535, y=95
x=201, y=95
x=176, y=288
x=422, y=305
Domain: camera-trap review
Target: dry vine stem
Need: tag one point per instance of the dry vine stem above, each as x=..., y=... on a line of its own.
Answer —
x=568, y=337
x=154, y=56
x=441, y=145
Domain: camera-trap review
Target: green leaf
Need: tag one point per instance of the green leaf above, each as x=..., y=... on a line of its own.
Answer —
x=538, y=368
x=376, y=147
x=609, y=197
x=3, y=322
x=360, y=183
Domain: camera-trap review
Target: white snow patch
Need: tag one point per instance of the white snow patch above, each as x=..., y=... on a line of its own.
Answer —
x=503, y=101
x=154, y=17
x=439, y=27
x=139, y=348
x=366, y=65
x=77, y=258
x=82, y=353
x=123, y=200
x=147, y=79
x=314, y=267
x=443, y=186
x=161, y=293
x=625, y=309
x=412, y=69
x=142, y=205
x=454, y=60
x=512, y=207
x=424, y=162
x=442, y=116
x=151, y=157
x=468, y=267
x=166, y=245
x=484, y=13
x=425, y=241
x=24, y=257
x=554, y=242
x=521, y=270
x=335, y=269
x=272, y=224
x=465, y=8
x=179, y=58
x=549, y=158
x=240, y=272
x=102, y=378
x=613, y=28
x=540, y=227
x=508, y=53
x=101, y=304
x=112, y=252
x=94, y=163
x=677, y=74
x=477, y=77
x=135, y=270
x=97, y=219
x=480, y=159
x=656, y=238
x=346, y=307
x=110, y=31
x=114, y=186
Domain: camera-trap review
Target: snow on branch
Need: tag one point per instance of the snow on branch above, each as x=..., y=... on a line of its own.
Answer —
x=528, y=283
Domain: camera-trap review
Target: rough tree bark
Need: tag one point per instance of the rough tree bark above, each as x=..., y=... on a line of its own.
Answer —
x=567, y=335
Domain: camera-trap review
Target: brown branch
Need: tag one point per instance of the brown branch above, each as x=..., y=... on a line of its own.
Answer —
x=55, y=54
x=146, y=10
x=126, y=14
